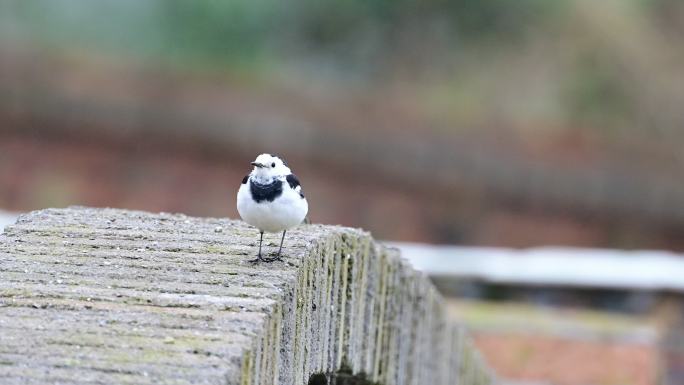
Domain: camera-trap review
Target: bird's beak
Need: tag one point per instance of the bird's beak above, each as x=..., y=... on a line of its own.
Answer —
x=257, y=164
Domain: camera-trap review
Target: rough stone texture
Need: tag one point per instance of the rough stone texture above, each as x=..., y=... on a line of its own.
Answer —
x=104, y=296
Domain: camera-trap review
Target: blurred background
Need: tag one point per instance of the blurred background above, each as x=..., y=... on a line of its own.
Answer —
x=496, y=126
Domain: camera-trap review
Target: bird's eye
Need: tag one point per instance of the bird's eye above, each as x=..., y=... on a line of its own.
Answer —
x=273, y=164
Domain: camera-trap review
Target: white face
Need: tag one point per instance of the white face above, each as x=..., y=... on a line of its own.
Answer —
x=267, y=166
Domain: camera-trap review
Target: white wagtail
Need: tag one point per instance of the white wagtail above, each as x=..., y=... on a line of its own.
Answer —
x=271, y=199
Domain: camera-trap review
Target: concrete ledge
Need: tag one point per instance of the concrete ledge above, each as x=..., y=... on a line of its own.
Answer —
x=123, y=297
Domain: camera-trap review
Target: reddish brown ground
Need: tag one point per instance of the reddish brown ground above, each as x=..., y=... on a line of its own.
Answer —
x=563, y=361
x=38, y=172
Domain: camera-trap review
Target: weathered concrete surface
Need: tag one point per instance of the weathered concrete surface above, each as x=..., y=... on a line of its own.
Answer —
x=104, y=296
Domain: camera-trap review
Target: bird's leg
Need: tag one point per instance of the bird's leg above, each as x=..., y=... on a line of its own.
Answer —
x=278, y=257
x=280, y=249
x=258, y=258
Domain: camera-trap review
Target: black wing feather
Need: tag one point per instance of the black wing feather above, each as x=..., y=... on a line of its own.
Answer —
x=294, y=183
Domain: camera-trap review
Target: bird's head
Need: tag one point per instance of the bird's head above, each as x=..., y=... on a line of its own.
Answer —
x=267, y=167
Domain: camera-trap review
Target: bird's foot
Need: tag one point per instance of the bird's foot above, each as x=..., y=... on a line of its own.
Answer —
x=259, y=258
x=274, y=257
x=255, y=260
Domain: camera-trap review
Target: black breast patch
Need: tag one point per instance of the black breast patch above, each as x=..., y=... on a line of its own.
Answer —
x=293, y=181
x=266, y=192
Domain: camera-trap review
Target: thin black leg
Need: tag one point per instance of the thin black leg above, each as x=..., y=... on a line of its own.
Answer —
x=261, y=240
x=280, y=250
x=277, y=257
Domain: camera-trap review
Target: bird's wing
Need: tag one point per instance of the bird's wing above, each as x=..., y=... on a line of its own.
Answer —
x=293, y=181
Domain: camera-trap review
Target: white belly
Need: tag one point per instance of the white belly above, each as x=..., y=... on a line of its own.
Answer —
x=286, y=211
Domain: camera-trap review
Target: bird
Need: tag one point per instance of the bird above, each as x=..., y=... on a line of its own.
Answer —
x=271, y=199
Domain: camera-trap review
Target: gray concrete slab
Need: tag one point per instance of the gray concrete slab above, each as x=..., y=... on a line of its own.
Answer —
x=104, y=296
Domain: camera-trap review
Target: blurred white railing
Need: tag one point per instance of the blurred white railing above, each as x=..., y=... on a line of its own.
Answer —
x=552, y=266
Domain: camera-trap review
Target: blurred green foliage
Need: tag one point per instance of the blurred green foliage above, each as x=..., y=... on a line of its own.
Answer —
x=239, y=30
x=595, y=94
x=469, y=62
